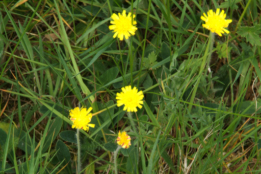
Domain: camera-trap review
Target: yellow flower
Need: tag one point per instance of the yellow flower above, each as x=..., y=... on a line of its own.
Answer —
x=130, y=98
x=216, y=22
x=81, y=118
x=124, y=140
x=123, y=25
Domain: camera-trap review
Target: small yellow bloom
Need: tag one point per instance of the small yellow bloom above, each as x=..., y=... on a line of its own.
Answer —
x=130, y=98
x=81, y=118
x=124, y=140
x=123, y=25
x=216, y=22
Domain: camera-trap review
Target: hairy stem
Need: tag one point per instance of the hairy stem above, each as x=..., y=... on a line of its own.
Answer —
x=78, y=151
x=131, y=121
x=115, y=159
x=212, y=40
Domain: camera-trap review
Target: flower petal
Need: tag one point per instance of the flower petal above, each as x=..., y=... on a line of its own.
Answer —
x=216, y=22
x=123, y=24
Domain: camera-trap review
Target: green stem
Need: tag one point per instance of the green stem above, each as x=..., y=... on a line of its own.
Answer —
x=132, y=59
x=134, y=129
x=115, y=159
x=242, y=15
x=131, y=121
x=78, y=151
x=212, y=39
x=202, y=68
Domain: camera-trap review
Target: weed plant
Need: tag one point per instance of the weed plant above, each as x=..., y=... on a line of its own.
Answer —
x=201, y=108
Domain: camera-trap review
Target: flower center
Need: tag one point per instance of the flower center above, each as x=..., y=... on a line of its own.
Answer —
x=124, y=24
x=216, y=22
x=130, y=100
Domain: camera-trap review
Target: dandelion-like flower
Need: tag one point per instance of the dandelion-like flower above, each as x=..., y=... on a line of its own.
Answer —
x=124, y=140
x=216, y=22
x=130, y=98
x=123, y=25
x=81, y=118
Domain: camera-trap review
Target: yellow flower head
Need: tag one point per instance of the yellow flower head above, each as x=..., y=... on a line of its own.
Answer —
x=216, y=22
x=123, y=25
x=130, y=98
x=124, y=140
x=81, y=118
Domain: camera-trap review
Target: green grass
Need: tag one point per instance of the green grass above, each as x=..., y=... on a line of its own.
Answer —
x=58, y=54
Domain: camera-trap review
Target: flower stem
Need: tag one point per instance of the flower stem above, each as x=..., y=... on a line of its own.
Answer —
x=205, y=63
x=212, y=39
x=131, y=121
x=115, y=159
x=78, y=151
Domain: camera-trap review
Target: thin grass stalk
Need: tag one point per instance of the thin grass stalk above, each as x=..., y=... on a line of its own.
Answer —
x=132, y=59
x=203, y=65
x=144, y=41
x=66, y=42
x=242, y=15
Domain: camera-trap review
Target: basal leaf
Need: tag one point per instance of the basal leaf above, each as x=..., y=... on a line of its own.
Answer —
x=251, y=34
x=69, y=136
x=223, y=50
x=229, y=4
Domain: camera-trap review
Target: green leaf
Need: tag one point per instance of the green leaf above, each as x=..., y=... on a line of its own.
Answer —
x=165, y=51
x=251, y=34
x=143, y=23
x=106, y=115
x=25, y=142
x=143, y=118
x=44, y=109
x=143, y=4
x=150, y=114
x=69, y=136
x=53, y=131
x=168, y=160
x=3, y=138
x=91, y=10
x=84, y=35
x=153, y=157
x=229, y=4
x=63, y=155
x=223, y=50
x=152, y=57
x=118, y=118
x=90, y=169
x=249, y=107
x=259, y=143
x=4, y=128
x=109, y=75
x=110, y=146
x=127, y=152
x=150, y=61
x=132, y=161
x=9, y=168
x=2, y=46
x=148, y=82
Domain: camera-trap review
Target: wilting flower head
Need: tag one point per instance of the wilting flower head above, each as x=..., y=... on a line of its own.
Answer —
x=123, y=25
x=130, y=98
x=81, y=118
x=216, y=22
x=124, y=140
